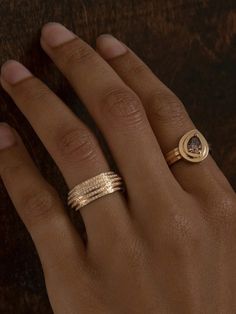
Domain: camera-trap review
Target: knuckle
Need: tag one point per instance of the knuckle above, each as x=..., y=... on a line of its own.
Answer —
x=39, y=205
x=76, y=52
x=32, y=90
x=167, y=108
x=184, y=228
x=9, y=172
x=134, y=251
x=183, y=234
x=223, y=210
x=77, y=144
x=139, y=68
x=123, y=105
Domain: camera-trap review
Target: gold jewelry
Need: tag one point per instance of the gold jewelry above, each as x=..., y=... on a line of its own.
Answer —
x=193, y=147
x=94, y=188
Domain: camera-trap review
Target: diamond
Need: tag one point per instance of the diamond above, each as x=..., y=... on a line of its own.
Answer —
x=194, y=145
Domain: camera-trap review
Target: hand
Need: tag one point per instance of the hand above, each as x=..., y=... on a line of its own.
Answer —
x=168, y=244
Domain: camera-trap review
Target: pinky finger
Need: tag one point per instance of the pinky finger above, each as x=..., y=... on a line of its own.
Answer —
x=38, y=205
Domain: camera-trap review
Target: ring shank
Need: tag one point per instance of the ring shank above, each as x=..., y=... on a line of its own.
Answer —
x=173, y=156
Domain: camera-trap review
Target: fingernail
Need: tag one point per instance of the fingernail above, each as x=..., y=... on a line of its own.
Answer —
x=7, y=138
x=13, y=72
x=55, y=34
x=109, y=47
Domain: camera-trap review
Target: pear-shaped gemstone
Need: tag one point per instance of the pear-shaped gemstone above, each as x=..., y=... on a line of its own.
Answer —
x=194, y=145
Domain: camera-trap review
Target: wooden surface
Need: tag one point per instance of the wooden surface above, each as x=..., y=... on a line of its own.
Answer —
x=190, y=44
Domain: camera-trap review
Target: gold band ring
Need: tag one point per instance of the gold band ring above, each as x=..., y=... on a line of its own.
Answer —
x=94, y=188
x=193, y=147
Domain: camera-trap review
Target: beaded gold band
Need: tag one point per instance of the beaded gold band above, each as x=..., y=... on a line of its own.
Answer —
x=94, y=188
x=193, y=147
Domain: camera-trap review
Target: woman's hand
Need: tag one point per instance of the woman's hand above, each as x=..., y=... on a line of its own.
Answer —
x=168, y=245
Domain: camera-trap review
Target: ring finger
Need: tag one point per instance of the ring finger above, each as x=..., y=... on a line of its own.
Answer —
x=70, y=143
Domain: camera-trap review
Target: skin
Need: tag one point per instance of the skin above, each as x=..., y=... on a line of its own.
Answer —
x=168, y=244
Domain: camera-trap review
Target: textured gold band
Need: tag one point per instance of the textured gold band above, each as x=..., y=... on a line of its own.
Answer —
x=94, y=188
x=193, y=148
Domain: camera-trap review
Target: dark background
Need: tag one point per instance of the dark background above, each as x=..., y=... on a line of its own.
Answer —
x=190, y=45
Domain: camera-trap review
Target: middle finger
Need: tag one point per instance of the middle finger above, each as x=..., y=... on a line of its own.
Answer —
x=117, y=110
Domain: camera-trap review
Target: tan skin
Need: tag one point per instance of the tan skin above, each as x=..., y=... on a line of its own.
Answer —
x=169, y=246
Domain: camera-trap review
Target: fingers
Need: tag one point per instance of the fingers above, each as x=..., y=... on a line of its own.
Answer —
x=165, y=111
x=70, y=143
x=115, y=107
x=38, y=204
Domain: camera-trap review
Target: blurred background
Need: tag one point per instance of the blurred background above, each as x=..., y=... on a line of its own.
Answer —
x=189, y=44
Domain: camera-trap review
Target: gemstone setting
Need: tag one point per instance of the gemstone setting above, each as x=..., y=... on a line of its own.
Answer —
x=193, y=147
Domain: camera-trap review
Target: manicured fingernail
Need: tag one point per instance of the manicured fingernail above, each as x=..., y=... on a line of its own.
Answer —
x=55, y=34
x=7, y=138
x=13, y=72
x=109, y=47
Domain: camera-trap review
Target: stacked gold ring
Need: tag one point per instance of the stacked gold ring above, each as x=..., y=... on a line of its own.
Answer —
x=192, y=147
x=94, y=188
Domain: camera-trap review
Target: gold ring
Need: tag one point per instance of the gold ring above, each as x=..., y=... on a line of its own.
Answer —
x=193, y=147
x=94, y=188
